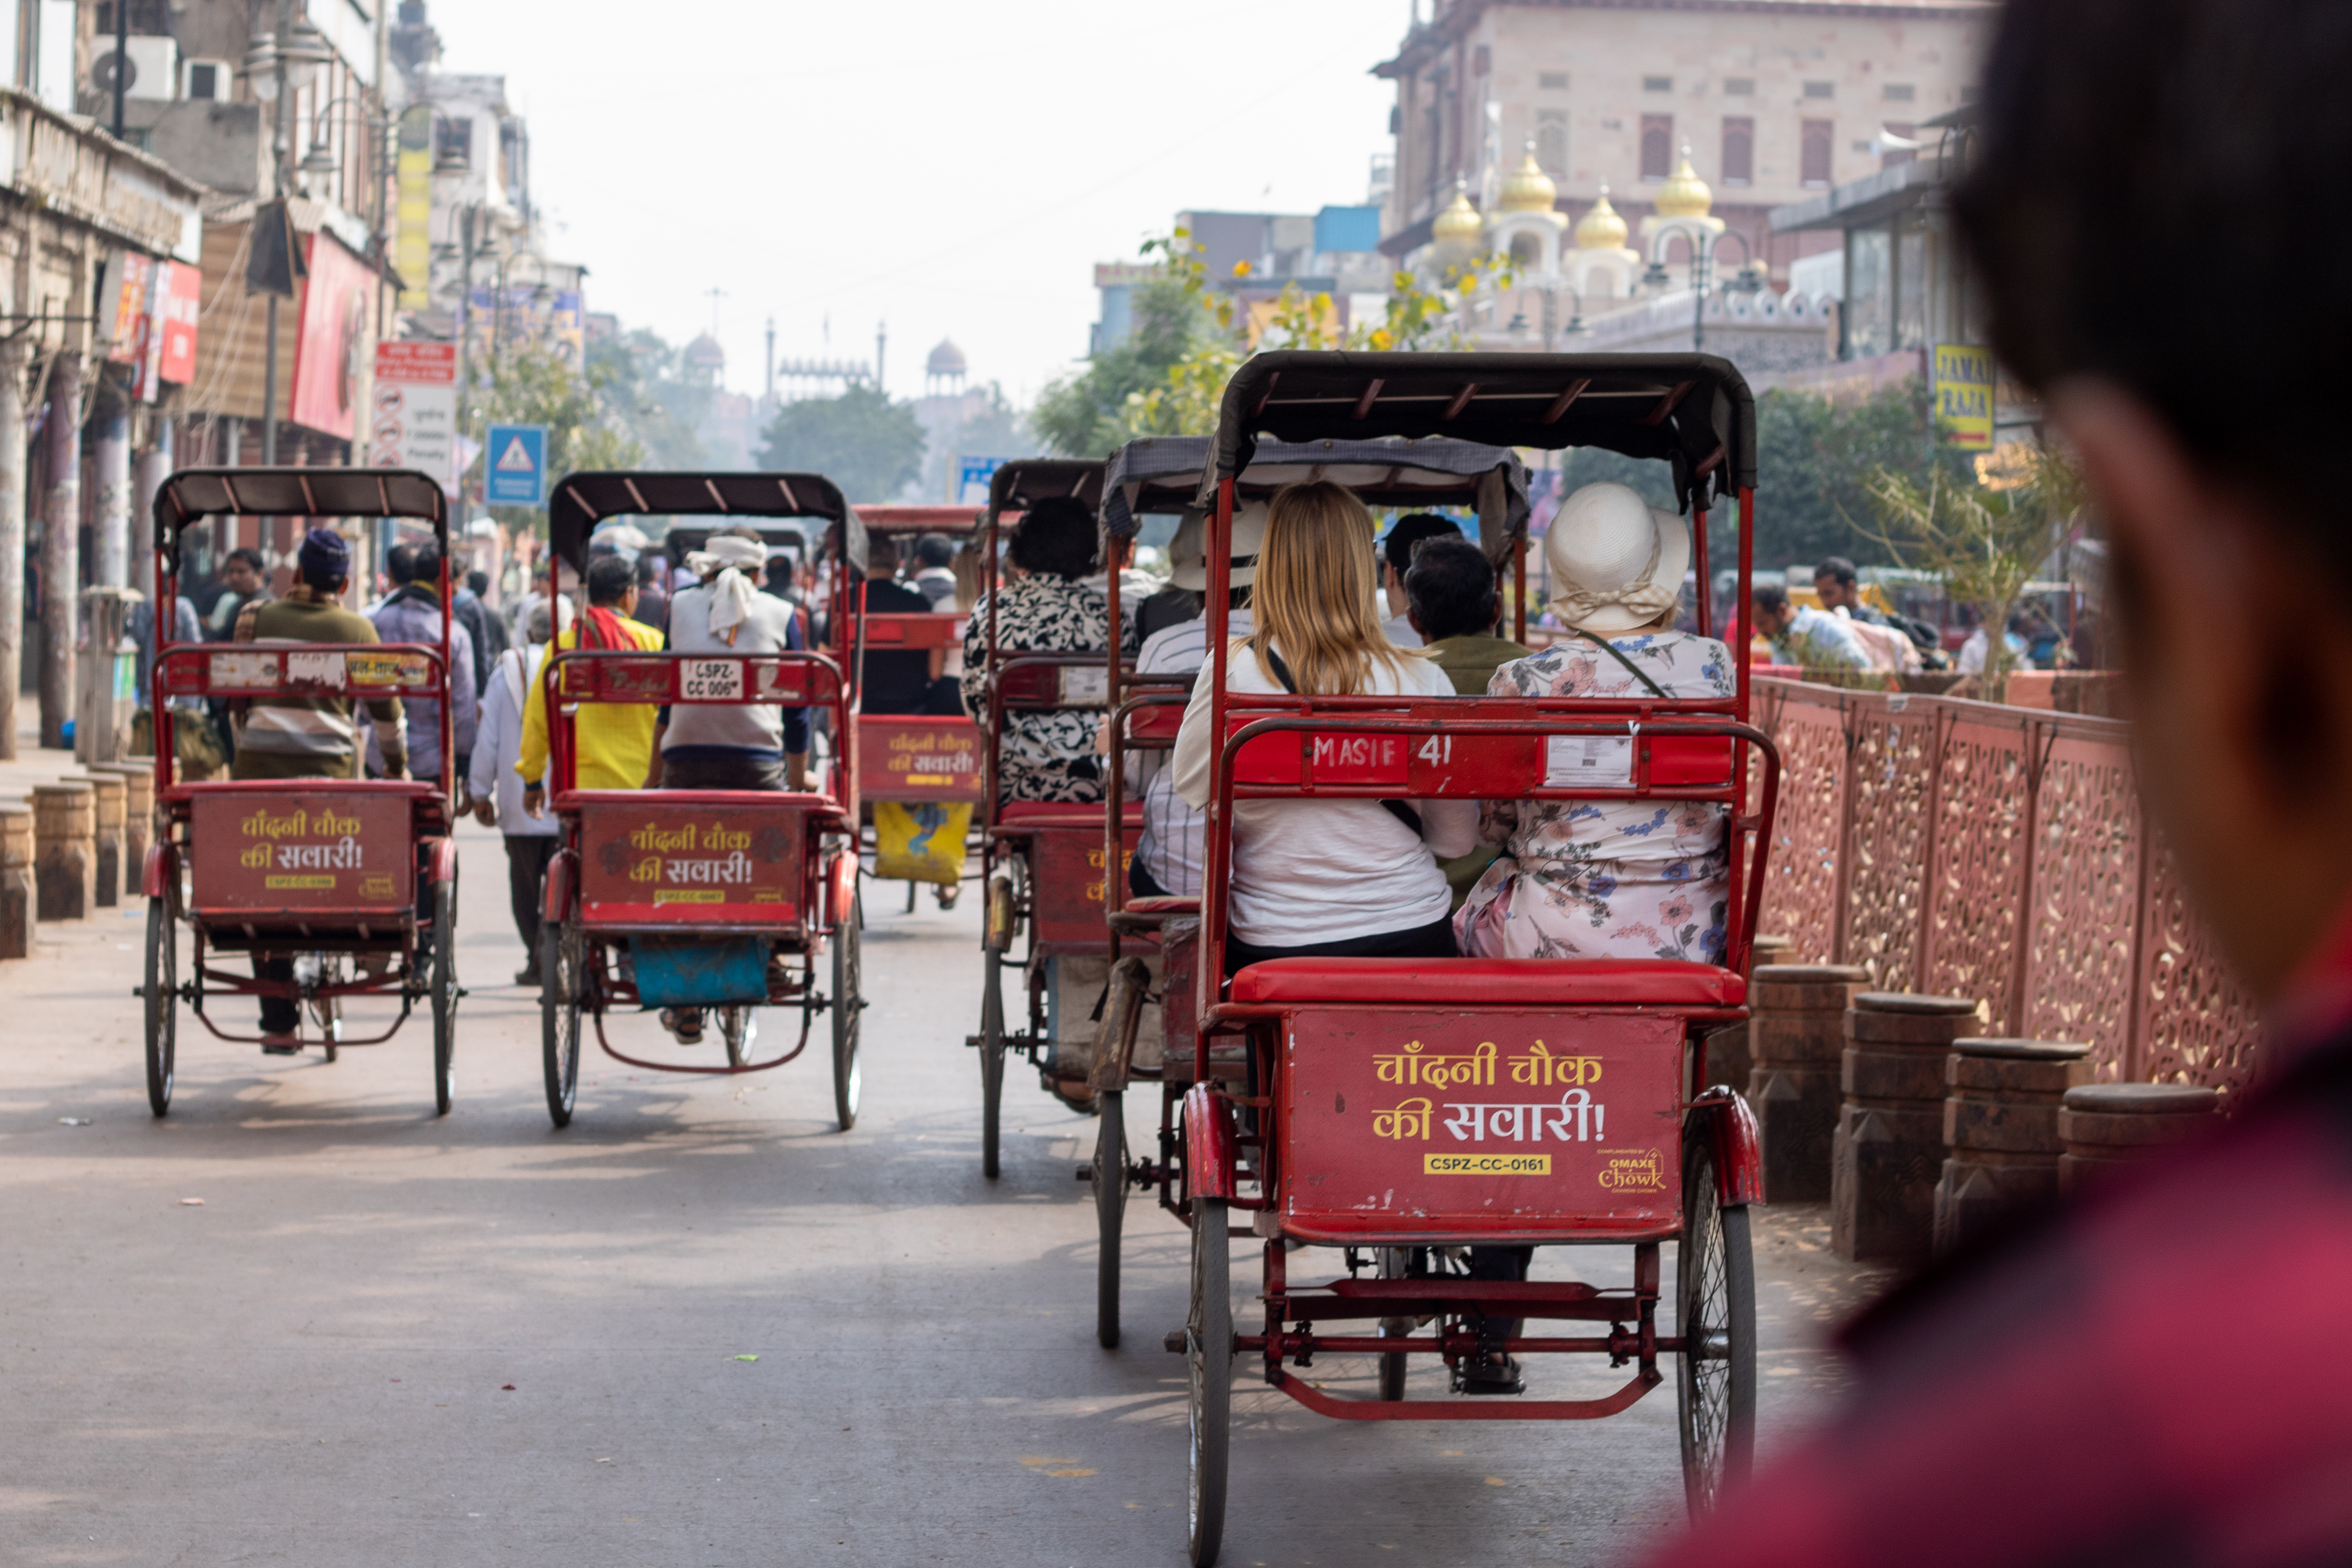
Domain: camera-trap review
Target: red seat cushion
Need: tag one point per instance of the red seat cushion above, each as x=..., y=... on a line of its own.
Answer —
x=1492, y=982
x=1162, y=906
x=1062, y=814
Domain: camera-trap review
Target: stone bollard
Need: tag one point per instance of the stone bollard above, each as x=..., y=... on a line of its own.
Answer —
x=138, y=820
x=1889, y=1145
x=65, y=850
x=1796, y=1033
x=109, y=796
x=2000, y=1128
x=18, y=897
x=2108, y=1125
x=1728, y=1060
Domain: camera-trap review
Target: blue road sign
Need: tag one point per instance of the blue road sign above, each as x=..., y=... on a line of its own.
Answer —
x=515, y=466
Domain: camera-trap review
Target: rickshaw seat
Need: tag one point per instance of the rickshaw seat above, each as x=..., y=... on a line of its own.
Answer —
x=416, y=789
x=1493, y=981
x=1170, y=905
x=1062, y=814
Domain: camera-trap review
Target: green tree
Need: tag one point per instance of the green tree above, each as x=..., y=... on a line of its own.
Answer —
x=1086, y=414
x=998, y=430
x=1817, y=461
x=869, y=445
x=537, y=386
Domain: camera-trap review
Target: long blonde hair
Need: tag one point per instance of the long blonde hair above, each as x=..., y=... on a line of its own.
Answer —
x=1313, y=594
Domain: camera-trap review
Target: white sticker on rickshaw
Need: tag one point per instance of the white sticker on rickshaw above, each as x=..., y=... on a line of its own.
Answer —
x=314, y=669
x=710, y=680
x=1084, y=685
x=244, y=669
x=1605, y=761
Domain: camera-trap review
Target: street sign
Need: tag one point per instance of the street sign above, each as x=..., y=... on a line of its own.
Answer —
x=515, y=473
x=972, y=477
x=413, y=421
x=1963, y=385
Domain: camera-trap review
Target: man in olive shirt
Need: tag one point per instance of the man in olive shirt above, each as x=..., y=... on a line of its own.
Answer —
x=309, y=737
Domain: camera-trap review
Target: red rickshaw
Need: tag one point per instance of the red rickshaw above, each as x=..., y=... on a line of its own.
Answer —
x=722, y=900
x=918, y=760
x=1399, y=1108
x=354, y=880
x=1162, y=475
x=1044, y=865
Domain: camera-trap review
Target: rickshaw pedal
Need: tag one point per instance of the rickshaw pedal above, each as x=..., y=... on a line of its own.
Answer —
x=1173, y=1342
x=1086, y=1172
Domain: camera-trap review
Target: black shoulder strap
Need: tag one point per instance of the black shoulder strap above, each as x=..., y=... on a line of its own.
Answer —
x=1396, y=808
x=1613, y=651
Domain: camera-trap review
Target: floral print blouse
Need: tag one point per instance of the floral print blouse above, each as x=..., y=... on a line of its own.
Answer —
x=1621, y=879
x=1048, y=756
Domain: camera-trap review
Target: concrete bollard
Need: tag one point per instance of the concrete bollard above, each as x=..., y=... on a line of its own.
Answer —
x=2106, y=1126
x=2000, y=1128
x=65, y=850
x=110, y=796
x=1889, y=1145
x=1796, y=1033
x=18, y=897
x=1728, y=1060
x=138, y=820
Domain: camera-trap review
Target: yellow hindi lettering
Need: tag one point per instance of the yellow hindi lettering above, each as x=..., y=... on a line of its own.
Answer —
x=1409, y=1119
x=646, y=871
x=1541, y=1069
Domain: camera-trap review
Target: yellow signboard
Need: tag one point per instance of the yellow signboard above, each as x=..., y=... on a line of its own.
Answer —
x=1964, y=396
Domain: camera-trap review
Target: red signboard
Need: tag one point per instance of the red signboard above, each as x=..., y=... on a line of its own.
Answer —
x=692, y=865
x=1067, y=891
x=331, y=339
x=1430, y=1124
x=919, y=759
x=305, y=852
x=182, y=297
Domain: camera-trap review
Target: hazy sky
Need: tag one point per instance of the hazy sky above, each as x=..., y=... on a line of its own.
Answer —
x=954, y=168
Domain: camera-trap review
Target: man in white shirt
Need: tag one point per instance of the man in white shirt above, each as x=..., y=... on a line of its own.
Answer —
x=497, y=788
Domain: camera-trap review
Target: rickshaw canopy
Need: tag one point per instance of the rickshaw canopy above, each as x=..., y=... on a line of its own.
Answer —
x=193, y=494
x=1164, y=474
x=1691, y=411
x=1022, y=483
x=581, y=500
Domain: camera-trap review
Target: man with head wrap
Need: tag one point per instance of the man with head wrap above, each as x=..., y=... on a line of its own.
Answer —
x=727, y=745
x=309, y=737
x=497, y=789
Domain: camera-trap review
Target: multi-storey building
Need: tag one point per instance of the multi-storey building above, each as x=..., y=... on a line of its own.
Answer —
x=1772, y=98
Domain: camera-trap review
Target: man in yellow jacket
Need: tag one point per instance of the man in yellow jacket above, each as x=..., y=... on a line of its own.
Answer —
x=614, y=742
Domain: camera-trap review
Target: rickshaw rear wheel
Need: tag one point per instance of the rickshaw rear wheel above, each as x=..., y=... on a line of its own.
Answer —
x=445, y=995
x=1111, y=1212
x=848, y=1005
x=738, y=1027
x=992, y=1061
x=561, y=955
x=1715, y=1312
x=1209, y=1357
x=162, y=994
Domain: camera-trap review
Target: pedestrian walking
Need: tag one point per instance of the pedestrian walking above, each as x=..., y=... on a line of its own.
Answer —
x=496, y=787
x=412, y=614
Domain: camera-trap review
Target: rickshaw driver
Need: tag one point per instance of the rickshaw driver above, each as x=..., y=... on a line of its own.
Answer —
x=309, y=737
x=730, y=746
x=613, y=741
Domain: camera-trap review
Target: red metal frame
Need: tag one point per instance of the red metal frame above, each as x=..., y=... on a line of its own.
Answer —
x=216, y=914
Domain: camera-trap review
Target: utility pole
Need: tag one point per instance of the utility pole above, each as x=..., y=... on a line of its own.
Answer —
x=881, y=341
x=281, y=139
x=771, y=359
x=121, y=60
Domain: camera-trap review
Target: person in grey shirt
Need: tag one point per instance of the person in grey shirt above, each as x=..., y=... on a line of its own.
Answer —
x=730, y=745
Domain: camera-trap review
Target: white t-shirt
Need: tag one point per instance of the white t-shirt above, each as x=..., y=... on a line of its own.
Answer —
x=1401, y=632
x=1309, y=871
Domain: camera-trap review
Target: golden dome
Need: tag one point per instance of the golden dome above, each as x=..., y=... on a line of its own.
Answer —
x=1685, y=194
x=1459, y=224
x=1601, y=228
x=1529, y=189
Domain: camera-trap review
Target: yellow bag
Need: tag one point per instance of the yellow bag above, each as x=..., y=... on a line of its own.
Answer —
x=919, y=843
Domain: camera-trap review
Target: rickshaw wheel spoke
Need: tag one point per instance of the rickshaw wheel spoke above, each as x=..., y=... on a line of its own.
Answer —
x=445, y=995
x=1209, y=1357
x=1714, y=1311
x=562, y=961
x=1110, y=1213
x=848, y=1004
x=162, y=994
x=992, y=1062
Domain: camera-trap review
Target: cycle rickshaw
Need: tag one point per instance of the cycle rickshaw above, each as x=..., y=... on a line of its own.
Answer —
x=1044, y=865
x=928, y=762
x=1162, y=475
x=1399, y=1109
x=724, y=900
x=351, y=881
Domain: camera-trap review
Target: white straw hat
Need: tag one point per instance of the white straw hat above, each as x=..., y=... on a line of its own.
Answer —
x=1189, y=548
x=1617, y=561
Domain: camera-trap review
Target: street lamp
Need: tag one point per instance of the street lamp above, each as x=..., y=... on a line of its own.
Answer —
x=1701, y=242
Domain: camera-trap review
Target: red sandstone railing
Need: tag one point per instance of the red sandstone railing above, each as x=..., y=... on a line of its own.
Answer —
x=1966, y=848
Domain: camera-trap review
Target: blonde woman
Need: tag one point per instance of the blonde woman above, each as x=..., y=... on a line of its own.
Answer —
x=1326, y=878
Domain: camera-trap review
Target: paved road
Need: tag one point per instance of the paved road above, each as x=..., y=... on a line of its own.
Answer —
x=389, y=1339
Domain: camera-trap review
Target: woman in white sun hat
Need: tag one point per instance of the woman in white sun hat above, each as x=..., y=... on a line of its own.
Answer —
x=1608, y=879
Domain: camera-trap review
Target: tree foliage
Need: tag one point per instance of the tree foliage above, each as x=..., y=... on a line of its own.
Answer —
x=861, y=441
x=1817, y=463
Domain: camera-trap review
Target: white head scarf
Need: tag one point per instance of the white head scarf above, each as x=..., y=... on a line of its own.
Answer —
x=731, y=593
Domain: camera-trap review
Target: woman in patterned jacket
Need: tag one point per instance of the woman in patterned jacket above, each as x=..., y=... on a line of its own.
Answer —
x=1046, y=608
x=1623, y=879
